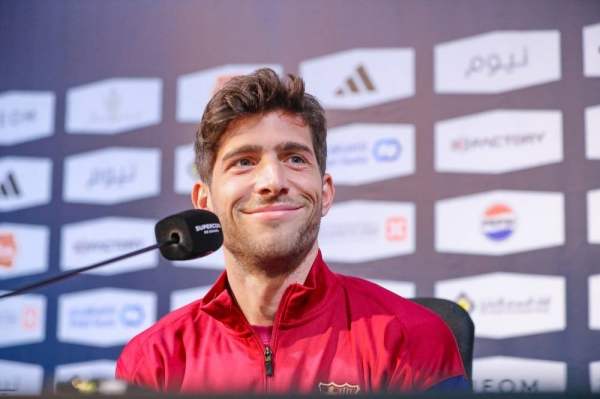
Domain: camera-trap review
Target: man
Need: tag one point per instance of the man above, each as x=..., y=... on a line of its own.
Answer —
x=278, y=320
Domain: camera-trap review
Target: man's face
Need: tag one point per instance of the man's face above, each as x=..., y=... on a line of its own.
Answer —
x=267, y=191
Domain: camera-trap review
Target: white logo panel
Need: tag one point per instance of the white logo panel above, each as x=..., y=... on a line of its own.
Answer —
x=92, y=370
x=594, y=302
x=500, y=222
x=23, y=249
x=591, y=52
x=595, y=377
x=92, y=241
x=112, y=175
x=22, y=320
x=534, y=303
x=215, y=261
x=592, y=132
x=403, y=288
x=114, y=105
x=18, y=378
x=195, y=90
x=497, y=62
x=24, y=182
x=359, y=231
x=593, y=216
x=500, y=374
x=181, y=298
x=498, y=141
x=104, y=317
x=366, y=153
x=26, y=116
x=185, y=169
x=361, y=77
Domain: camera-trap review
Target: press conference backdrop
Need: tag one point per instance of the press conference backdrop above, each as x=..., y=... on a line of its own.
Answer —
x=464, y=142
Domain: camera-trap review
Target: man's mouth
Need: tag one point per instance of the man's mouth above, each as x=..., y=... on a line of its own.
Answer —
x=274, y=211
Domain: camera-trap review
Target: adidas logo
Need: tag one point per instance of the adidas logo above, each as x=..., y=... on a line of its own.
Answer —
x=9, y=187
x=357, y=83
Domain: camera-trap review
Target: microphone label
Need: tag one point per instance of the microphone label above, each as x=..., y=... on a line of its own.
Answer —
x=208, y=228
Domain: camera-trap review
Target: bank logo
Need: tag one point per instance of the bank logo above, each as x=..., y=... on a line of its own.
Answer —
x=112, y=175
x=180, y=298
x=114, y=106
x=91, y=241
x=361, y=77
x=366, y=153
x=104, y=317
x=403, y=288
x=186, y=173
x=24, y=249
x=534, y=304
x=26, y=116
x=595, y=377
x=591, y=50
x=500, y=222
x=21, y=379
x=24, y=182
x=195, y=90
x=594, y=302
x=92, y=370
x=360, y=231
x=501, y=374
x=497, y=62
x=499, y=141
x=592, y=132
x=22, y=320
x=593, y=216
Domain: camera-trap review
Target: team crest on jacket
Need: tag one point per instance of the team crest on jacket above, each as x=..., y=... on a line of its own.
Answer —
x=335, y=389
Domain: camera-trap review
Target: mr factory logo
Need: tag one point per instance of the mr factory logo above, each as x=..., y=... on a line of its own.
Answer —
x=26, y=116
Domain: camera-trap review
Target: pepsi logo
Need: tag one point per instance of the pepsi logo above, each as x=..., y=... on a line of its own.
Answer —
x=499, y=222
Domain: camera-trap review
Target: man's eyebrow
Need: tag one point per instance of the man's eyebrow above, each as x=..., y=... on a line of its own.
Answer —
x=288, y=146
x=245, y=149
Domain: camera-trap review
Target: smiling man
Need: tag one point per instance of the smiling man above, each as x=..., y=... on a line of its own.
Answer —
x=278, y=320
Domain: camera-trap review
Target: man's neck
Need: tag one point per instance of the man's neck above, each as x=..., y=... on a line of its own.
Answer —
x=258, y=295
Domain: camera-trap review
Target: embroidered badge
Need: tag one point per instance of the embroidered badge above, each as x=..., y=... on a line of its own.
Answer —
x=335, y=389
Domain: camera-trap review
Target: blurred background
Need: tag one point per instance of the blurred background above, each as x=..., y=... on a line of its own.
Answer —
x=464, y=142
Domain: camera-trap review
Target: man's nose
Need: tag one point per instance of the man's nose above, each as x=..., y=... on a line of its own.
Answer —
x=271, y=178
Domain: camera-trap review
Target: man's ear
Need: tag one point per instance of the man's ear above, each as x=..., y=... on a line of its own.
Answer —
x=328, y=194
x=201, y=196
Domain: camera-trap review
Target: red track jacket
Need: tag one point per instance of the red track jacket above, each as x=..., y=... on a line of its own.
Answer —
x=334, y=334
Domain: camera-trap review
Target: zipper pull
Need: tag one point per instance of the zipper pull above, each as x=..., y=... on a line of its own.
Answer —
x=269, y=361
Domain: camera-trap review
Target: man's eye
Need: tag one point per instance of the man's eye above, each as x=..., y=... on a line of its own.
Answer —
x=296, y=159
x=244, y=162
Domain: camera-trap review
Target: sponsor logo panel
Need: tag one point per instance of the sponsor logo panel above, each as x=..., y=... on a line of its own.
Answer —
x=592, y=132
x=359, y=231
x=504, y=305
x=18, y=378
x=594, y=302
x=501, y=374
x=92, y=370
x=26, y=116
x=186, y=173
x=195, y=90
x=366, y=153
x=215, y=261
x=24, y=182
x=497, y=62
x=181, y=298
x=91, y=241
x=104, y=317
x=23, y=249
x=500, y=222
x=593, y=216
x=22, y=320
x=595, y=377
x=112, y=175
x=361, y=77
x=114, y=105
x=498, y=141
x=403, y=288
x=591, y=50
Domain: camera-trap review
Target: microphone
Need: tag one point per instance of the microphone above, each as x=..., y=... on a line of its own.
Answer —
x=186, y=235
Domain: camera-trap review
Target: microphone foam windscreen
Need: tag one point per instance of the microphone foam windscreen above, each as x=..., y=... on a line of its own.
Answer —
x=199, y=233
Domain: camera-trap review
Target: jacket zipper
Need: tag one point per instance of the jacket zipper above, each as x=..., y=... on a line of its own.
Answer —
x=268, y=361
